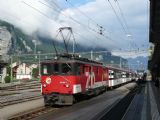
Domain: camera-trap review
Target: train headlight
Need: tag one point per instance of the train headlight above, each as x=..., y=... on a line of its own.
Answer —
x=67, y=85
x=44, y=85
x=48, y=80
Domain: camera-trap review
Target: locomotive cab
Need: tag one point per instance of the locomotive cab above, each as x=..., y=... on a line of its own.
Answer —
x=58, y=81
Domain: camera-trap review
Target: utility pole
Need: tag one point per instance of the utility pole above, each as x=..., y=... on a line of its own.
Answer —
x=129, y=37
x=39, y=60
x=120, y=62
x=91, y=55
x=73, y=46
x=11, y=68
x=35, y=46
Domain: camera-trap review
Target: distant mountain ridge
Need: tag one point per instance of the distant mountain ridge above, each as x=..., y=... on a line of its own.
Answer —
x=22, y=43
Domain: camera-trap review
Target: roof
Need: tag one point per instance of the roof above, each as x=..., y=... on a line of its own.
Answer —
x=71, y=58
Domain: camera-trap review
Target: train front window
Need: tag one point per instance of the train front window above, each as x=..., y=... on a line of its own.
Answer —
x=46, y=69
x=66, y=68
x=56, y=68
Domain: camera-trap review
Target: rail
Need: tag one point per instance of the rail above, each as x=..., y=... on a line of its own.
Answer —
x=32, y=113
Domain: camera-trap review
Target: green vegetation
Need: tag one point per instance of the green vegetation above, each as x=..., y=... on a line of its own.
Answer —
x=35, y=72
x=7, y=79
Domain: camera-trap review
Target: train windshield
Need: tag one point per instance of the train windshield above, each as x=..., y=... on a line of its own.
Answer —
x=50, y=68
x=46, y=69
x=59, y=69
x=66, y=68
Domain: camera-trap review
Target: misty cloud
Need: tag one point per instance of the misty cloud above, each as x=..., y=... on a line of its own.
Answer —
x=46, y=17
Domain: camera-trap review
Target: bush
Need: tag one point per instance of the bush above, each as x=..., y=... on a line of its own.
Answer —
x=35, y=72
x=7, y=79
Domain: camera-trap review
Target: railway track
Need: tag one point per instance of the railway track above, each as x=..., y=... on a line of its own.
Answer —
x=118, y=110
x=7, y=102
x=32, y=113
x=18, y=93
x=21, y=86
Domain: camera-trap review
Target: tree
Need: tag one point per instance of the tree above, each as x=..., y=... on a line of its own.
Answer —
x=35, y=72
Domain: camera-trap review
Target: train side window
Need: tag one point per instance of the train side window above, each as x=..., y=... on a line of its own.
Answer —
x=117, y=75
x=127, y=75
x=123, y=75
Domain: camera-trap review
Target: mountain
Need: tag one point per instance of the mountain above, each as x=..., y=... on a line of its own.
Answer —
x=138, y=63
x=21, y=43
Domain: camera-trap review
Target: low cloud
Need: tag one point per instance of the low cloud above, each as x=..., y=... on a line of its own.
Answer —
x=46, y=17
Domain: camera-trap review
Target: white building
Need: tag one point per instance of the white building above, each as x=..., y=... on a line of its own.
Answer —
x=24, y=71
x=3, y=72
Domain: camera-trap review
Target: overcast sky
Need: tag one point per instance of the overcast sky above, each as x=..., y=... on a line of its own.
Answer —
x=46, y=16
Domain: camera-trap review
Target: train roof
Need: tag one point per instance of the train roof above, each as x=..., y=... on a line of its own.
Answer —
x=71, y=58
x=114, y=68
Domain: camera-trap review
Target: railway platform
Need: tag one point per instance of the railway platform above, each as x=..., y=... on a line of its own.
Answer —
x=145, y=105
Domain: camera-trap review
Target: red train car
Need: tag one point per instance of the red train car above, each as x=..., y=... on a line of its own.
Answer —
x=67, y=77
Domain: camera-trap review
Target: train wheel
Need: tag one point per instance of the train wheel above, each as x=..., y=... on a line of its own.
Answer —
x=74, y=100
x=46, y=102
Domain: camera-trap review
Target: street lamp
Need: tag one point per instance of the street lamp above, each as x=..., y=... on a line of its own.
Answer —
x=120, y=60
x=39, y=60
x=11, y=57
x=129, y=37
x=138, y=64
x=35, y=46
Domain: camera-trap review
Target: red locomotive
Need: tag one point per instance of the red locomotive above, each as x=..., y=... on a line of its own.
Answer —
x=69, y=76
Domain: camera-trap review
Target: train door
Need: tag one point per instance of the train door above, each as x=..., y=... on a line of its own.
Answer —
x=90, y=78
x=105, y=77
x=84, y=73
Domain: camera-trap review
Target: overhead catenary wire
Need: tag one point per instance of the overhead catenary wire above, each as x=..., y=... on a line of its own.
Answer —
x=84, y=14
x=43, y=13
x=125, y=22
x=92, y=30
x=123, y=17
x=117, y=16
x=101, y=28
x=66, y=15
x=76, y=21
